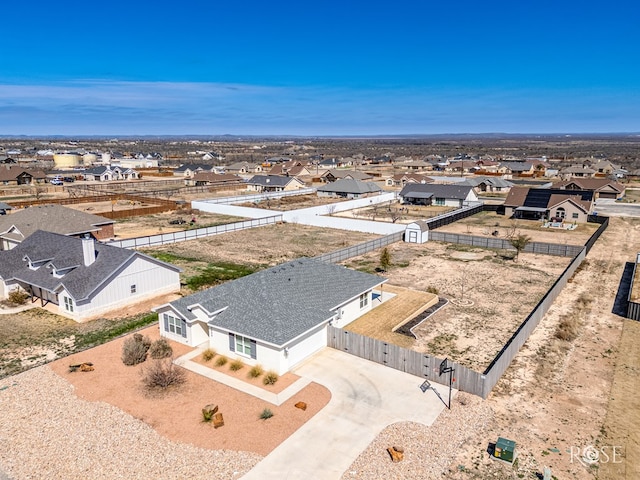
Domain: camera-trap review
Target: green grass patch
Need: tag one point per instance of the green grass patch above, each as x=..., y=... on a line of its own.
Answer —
x=215, y=273
x=98, y=337
x=169, y=257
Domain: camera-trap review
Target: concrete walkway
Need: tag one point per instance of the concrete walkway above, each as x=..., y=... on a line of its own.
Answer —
x=366, y=397
x=20, y=308
x=273, y=398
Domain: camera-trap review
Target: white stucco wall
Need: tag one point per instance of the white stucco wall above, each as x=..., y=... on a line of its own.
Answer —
x=197, y=331
x=271, y=357
x=352, y=311
x=151, y=279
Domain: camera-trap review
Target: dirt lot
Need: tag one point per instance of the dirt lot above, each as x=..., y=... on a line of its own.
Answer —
x=268, y=245
x=396, y=213
x=292, y=203
x=159, y=223
x=556, y=400
x=489, y=295
x=486, y=223
x=559, y=400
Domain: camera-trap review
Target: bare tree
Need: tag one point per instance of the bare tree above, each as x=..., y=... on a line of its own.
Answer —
x=39, y=192
x=331, y=209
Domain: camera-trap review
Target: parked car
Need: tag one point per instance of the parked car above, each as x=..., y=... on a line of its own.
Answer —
x=56, y=181
x=69, y=179
x=177, y=221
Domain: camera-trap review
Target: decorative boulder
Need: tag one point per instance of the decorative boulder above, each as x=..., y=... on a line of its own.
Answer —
x=218, y=421
x=396, y=453
x=301, y=405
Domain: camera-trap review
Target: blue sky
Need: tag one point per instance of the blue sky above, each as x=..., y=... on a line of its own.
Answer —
x=322, y=68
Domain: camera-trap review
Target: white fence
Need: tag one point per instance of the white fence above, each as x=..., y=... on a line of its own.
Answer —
x=256, y=197
x=315, y=216
x=184, y=235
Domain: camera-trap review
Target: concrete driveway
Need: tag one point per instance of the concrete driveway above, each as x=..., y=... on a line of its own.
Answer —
x=365, y=398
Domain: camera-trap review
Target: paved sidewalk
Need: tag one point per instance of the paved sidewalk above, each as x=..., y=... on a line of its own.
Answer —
x=21, y=308
x=273, y=398
x=366, y=397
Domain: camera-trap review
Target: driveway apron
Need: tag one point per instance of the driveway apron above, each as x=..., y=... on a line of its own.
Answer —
x=365, y=398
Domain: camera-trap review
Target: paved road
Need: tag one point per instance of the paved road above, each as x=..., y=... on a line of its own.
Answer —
x=365, y=398
x=610, y=208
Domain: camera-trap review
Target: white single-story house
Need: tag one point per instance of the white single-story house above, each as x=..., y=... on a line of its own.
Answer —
x=417, y=232
x=105, y=173
x=433, y=194
x=84, y=278
x=276, y=317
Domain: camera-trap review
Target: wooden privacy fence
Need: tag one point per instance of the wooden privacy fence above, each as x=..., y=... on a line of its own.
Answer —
x=361, y=248
x=490, y=242
x=409, y=361
x=184, y=235
x=467, y=380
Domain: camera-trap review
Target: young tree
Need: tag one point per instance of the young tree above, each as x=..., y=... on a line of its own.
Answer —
x=385, y=259
x=519, y=242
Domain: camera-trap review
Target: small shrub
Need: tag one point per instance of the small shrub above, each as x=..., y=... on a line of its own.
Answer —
x=160, y=349
x=208, y=354
x=568, y=328
x=17, y=297
x=432, y=289
x=222, y=360
x=134, y=349
x=208, y=412
x=236, y=365
x=256, y=371
x=162, y=374
x=207, y=416
x=270, y=378
x=266, y=413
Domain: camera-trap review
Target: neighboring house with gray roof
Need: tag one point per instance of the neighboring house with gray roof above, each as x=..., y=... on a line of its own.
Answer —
x=84, y=278
x=274, y=183
x=16, y=227
x=489, y=184
x=333, y=175
x=276, y=317
x=4, y=208
x=190, y=169
x=349, y=188
x=456, y=195
x=107, y=173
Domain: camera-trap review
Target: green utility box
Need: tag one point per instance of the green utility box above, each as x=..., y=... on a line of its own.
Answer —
x=505, y=449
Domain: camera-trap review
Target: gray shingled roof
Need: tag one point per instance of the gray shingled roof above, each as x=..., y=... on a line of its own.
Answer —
x=495, y=181
x=52, y=218
x=63, y=252
x=350, y=185
x=194, y=167
x=270, y=180
x=279, y=304
x=421, y=190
